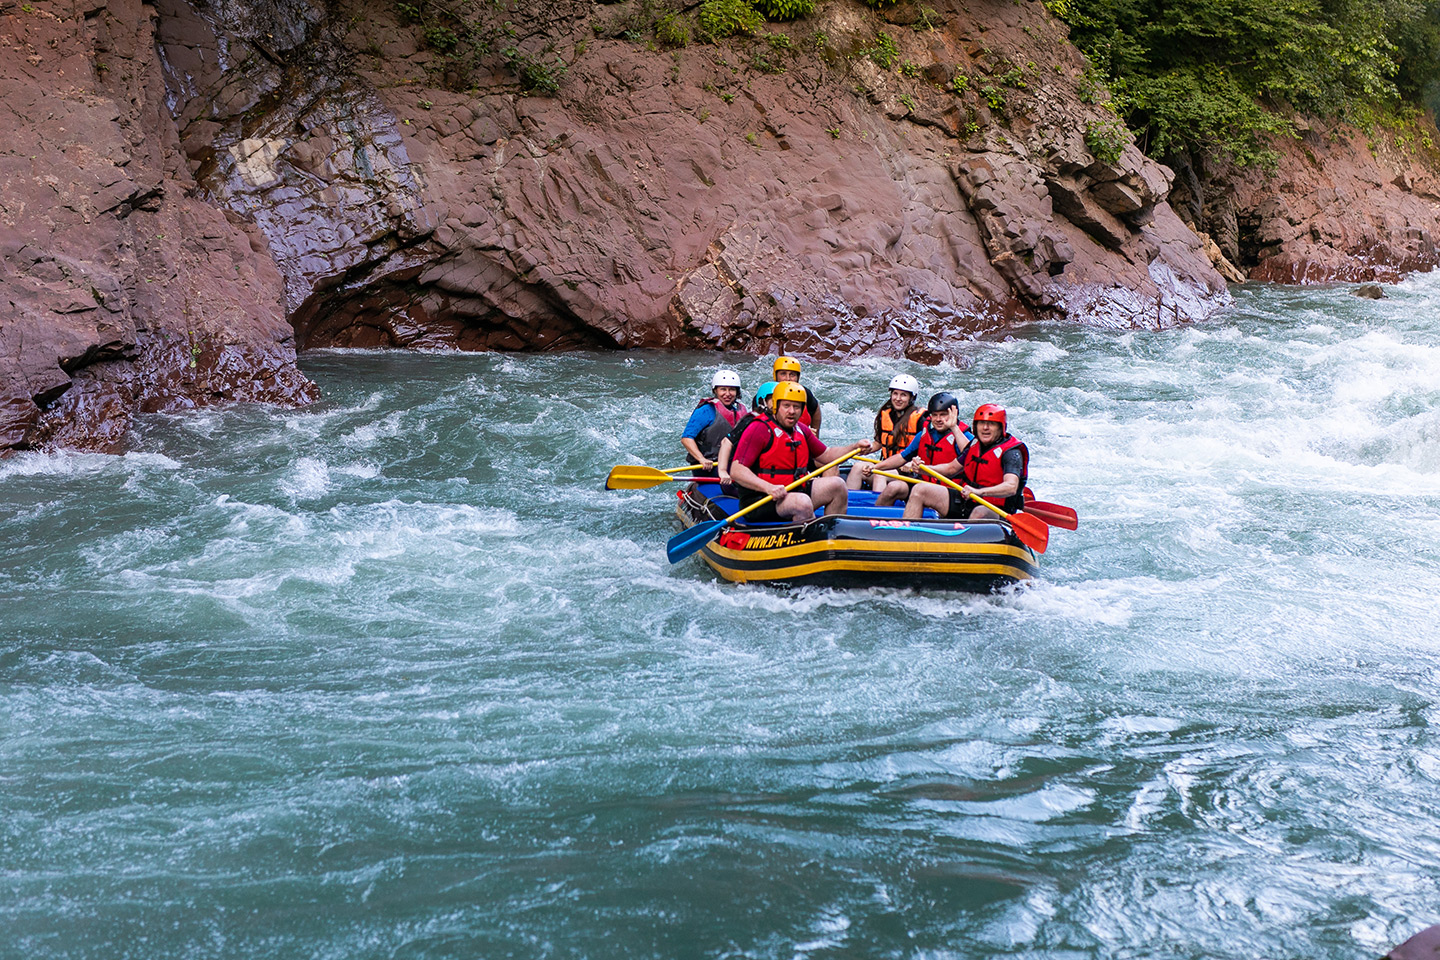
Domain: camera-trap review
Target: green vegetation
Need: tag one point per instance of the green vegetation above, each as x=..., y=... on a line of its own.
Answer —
x=885, y=52
x=672, y=30
x=1215, y=76
x=1106, y=139
x=785, y=9
x=725, y=18
x=536, y=74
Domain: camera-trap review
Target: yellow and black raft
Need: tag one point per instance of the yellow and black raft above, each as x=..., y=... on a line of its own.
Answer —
x=867, y=546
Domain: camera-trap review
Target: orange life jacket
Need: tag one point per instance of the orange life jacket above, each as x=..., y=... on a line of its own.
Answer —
x=893, y=434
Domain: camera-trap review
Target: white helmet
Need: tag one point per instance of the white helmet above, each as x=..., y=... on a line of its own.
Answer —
x=726, y=378
x=903, y=381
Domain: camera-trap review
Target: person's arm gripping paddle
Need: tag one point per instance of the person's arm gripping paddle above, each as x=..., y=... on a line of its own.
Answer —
x=1032, y=531
x=687, y=542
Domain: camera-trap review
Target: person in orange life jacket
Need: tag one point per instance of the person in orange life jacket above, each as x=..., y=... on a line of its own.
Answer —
x=937, y=445
x=713, y=418
x=759, y=409
x=895, y=426
x=995, y=465
x=787, y=370
x=772, y=453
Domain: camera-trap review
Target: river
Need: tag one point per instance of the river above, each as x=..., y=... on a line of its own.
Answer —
x=393, y=676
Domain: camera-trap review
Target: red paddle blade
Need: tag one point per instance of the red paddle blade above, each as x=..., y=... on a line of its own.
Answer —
x=1032, y=531
x=1063, y=517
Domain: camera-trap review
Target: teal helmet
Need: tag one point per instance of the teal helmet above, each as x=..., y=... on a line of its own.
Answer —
x=763, y=394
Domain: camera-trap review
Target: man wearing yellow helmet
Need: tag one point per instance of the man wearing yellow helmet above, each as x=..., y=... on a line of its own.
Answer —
x=772, y=453
x=787, y=370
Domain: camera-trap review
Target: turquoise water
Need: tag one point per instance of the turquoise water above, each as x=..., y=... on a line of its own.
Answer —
x=393, y=676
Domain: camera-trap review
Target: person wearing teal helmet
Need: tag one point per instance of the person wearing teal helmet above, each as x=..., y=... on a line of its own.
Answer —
x=760, y=408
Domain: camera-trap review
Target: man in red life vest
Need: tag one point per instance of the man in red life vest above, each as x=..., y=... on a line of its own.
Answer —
x=895, y=425
x=713, y=418
x=995, y=465
x=787, y=370
x=938, y=445
x=772, y=453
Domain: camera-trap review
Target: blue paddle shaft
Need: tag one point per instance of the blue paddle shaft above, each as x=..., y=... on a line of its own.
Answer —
x=688, y=541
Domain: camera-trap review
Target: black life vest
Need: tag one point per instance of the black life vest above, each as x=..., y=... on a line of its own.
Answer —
x=895, y=433
x=725, y=420
x=982, y=468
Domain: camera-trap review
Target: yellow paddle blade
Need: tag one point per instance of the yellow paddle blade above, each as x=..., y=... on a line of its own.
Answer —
x=636, y=478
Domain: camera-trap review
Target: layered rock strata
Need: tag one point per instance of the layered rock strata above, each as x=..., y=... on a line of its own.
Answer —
x=182, y=180
x=746, y=195
x=120, y=291
x=1340, y=207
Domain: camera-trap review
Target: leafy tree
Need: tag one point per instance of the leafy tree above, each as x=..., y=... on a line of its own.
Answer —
x=1213, y=75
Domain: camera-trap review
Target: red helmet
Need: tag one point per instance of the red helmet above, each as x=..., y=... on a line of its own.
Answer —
x=989, y=411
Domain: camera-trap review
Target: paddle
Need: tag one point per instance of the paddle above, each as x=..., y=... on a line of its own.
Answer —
x=1055, y=514
x=688, y=541
x=896, y=476
x=630, y=477
x=1032, y=531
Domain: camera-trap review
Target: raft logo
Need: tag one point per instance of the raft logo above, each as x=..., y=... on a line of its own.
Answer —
x=770, y=541
x=955, y=528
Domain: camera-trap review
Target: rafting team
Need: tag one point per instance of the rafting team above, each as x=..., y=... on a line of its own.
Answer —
x=762, y=449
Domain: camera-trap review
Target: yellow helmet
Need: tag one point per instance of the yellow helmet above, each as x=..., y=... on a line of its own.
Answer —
x=786, y=363
x=788, y=391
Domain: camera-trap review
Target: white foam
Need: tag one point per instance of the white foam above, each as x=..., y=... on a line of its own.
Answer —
x=308, y=478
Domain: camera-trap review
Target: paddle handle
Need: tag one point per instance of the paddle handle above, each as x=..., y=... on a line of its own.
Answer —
x=896, y=476
x=798, y=483
x=955, y=486
x=693, y=466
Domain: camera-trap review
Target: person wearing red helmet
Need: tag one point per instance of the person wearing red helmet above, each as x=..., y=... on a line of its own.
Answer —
x=995, y=465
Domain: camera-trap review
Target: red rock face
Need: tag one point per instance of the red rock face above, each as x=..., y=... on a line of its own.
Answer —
x=190, y=190
x=1338, y=208
x=677, y=199
x=119, y=292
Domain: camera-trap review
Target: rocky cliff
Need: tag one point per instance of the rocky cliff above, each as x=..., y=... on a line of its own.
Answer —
x=191, y=190
x=120, y=290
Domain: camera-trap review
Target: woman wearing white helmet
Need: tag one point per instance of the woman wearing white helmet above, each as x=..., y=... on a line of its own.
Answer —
x=714, y=416
x=896, y=424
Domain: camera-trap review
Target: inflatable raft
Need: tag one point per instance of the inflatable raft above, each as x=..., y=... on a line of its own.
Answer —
x=868, y=545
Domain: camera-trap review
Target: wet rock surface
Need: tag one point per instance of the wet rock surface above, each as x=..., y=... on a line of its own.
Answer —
x=119, y=291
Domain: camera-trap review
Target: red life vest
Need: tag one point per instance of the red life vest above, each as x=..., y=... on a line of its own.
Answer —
x=982, y=468
x=894, y=437
x=935, y=452
x=785, y=457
